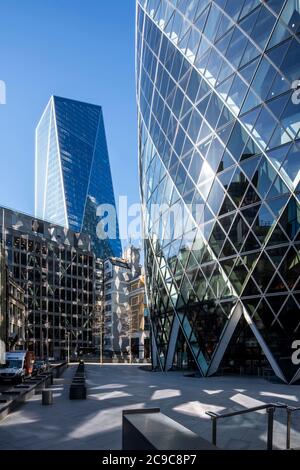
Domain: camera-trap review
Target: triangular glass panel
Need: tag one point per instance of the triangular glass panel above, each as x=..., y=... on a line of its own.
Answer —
x=238, y=232
x=223, y=43
x=250, y=213
x=249, y=166
x=276, y=285
x=248, y=23
x=251, y=102
x=263, y=272
x=237, y=141
x=249, y=260
x=163, y=14
x=277, y=105
x=290, y=219
x=277, y=254
x=183, y=43
x=200, y=285
x=289, y=315
x=226, y=162
x=180, y=302
x=238, y=277
x=248, y=71
x=278, y=188
x=208, y=269
x=277, y=205
x=278, y=53
x=191, y=262
x=226, y=176
x=238, y=186
x=250, y=53
x=201, y=19
x=277, y=237
x=226, y=222
x=206, y=230
x=279, y=137
x=290, y=267
x=291, y=166
x=228, y=307
x=250, y=150
x=217, y=239
x=209, y=295
x=263, y=223
x=263, y=317
x=227, y=206
x=276, y=302
x=249, y=119
x=251, y=305
x=278, y=155
x=251, y=197
x=225, y=133
x=216, y=197
x=263, y=178
x=227, y=265
x=207, y=257
x=228, y=250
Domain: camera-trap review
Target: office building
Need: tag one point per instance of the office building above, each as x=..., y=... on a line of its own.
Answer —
x=72, y=171
x=3, y=328
x=125, y=328
x=139, y=320
x=219, y=125
x=16, y=315
x=57, y=272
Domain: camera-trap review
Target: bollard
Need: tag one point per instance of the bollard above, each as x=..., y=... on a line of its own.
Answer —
x=47, y=397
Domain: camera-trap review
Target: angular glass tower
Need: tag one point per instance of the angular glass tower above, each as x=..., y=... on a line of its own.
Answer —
x=219, y=123
x=72, y=171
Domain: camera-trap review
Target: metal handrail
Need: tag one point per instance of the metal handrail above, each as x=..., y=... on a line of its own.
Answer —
x=290, y=410
x=270, y=409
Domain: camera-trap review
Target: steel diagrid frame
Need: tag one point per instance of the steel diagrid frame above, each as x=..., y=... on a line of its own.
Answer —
x=224, y=338
x=248, y=319
x=225, y=103
x=236, y=72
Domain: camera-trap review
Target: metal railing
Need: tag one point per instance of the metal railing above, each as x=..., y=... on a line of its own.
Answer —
x=290, y=410
x=270, y=409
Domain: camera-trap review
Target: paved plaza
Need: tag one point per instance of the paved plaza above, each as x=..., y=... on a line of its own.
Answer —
x=96, y=423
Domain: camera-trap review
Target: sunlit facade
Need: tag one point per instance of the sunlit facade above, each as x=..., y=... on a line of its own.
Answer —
x=219, y=125
x=72, y=170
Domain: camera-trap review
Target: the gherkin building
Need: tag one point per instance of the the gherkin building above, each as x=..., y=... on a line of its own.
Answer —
x=219, y=141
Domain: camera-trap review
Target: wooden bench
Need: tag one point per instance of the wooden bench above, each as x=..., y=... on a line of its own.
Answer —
x=149, y=429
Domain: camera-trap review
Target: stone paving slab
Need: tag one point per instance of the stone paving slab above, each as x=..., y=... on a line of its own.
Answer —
x=95, y=423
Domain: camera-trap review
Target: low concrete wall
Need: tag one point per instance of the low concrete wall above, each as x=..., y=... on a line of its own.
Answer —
x=15, y=396
x=59, y=369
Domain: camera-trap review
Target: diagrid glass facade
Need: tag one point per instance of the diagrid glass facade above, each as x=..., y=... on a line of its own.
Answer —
x=219, y=124
x=72, y=170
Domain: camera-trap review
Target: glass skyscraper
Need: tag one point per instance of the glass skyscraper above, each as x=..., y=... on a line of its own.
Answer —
x=219, y=123
x=72, y=170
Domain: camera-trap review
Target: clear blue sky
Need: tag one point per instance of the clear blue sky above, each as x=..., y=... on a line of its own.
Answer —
x=81, y=49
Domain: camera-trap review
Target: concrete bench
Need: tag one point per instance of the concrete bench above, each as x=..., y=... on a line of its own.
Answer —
x=78, y=389
x=149, y=429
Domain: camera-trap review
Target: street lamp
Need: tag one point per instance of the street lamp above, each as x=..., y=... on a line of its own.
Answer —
x=101, y=345
x=101, y=337
x=68, y=346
